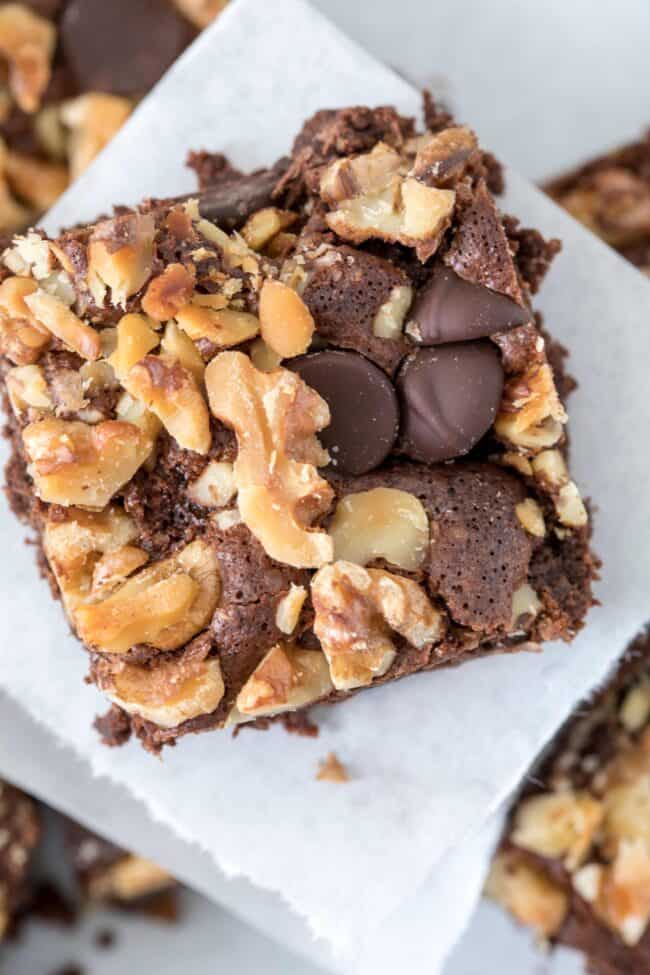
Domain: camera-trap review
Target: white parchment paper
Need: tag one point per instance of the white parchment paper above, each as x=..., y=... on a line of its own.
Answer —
x=432, y=756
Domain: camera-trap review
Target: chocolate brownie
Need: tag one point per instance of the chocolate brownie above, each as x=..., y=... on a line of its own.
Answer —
x=574, y=864
x=611, y=196
x=20, y=831
x=298, y=436
x=75, y=69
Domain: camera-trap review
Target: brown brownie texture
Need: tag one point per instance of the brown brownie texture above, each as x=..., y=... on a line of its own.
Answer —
x=574, y=863
x=298, y=436
x=610, y=195
x=76, y=69
x=20, y=829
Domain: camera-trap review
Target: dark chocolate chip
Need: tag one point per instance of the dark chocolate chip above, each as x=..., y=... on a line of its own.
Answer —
x=229, y=203
x=450, y=396
x=449, y=309
x=122, y=46
x=363, y=404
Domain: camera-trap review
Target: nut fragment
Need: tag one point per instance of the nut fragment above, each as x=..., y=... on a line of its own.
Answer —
x=389, y=320
x=356, y=609
x=530, y=515
x=264, y=224
x=58, y=319
x=207, y=317
x=168, y=292
x=22, y=339
x=129, y=879
x=215, y=487
x=73, y=463
x=164, y=605
x=135, y=338
x=30, y=255
x=287, y=678
x=170, y=391
x=201, y=12
x=178, y=345
x=561, y=825
x=27, y=389
x=263, y=357
x=36, y=181
x=372, y=199
x=550, y=470
x=623, y=900
x=116, y=566
x=443, y=158
x=120, y=254
x=27, y=43
x=531, y=413
x=93, y=120
x=275, y=417
x=286, y=323
x=635, y=708
x=332, y=770
x=381, y=524
x=169, y=693
x=528, y=894
x=289, y=608
x=525, y=605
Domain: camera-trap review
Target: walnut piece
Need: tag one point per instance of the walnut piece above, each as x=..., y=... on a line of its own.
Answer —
x=264, y=224
x=116, y=566
x=28, y=391
x=27, y=44
x=275, y=417
x=531, y=414
x=177, y=345
x=286, y=323
x=93, y=119
x=634, y=712
x=168, y=694
x=530, y=515
x=135, y=338
x=172, y=393
x=356, y=610
x=331, y=769
x=526, y=606
x=208, y=317
x=289, y=608
x=201, y=12
x=129, y=879
x=57, y=318
x=22, y=338
x=442, y=158
x=527, y=893
x=164, y=605
x=168, y=292
x=371, y=198
x=73, y=463
x=389, y=320
x=120, y=255
x=623, y=898
x=560, y=825
x=383, y=523
x=287, y=678
x=36, y=181
x=215, y=487
x=263, y=357
x=549, y=468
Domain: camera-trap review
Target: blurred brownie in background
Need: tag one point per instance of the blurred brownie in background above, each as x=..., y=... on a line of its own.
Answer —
x=71, y=72
x=611, y=196
x=20, y=833
x=574, y=865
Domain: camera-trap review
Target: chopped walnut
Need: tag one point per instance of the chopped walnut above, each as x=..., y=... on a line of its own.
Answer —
x=331, y=769
x=120, y=254
x=177, y=345
x=22, y=338
x=287, y=678
x=27, y=43
x=635, y=707
x=135, y=338
x=170, y=291
x=30, y=256
x=623, y=899
x=264, y=224
x=549, y=468
x=531, y=414
x=530, y=515
x=561, y=825
x=356, y=610
x=526, y=606
x=215, y=487
x=173, y=691
x=389, y=320
x=208, y=317
x=116, y=566
x=73, y=463
x=170, y=391
x=381, y=524
x=263, y=357
x=36, y=181
x=443, y=158
x=289, y=608
x=371, y=198
x=201, y=12
x=129, y=879
x=275, y=417
x=93, y=120
x=57, y=318
x=286, y=323
x=164, y=605
x=28, y=392
x=530, y=896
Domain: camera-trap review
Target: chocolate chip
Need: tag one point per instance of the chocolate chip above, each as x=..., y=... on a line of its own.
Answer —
x=450, y=396
x=122, y=46
x=449, y=309
x=363, y=404
x=229, y=203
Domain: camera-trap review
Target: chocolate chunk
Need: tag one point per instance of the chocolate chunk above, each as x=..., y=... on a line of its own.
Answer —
x=121, y=46
x=363, y=404
x=449, y=309
x=450, y=396
x=231, y=201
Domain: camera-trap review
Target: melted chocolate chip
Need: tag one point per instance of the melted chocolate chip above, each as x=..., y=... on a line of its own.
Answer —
x=450, y=396
x=449, y=309
x=122, y=46
x=363, y=404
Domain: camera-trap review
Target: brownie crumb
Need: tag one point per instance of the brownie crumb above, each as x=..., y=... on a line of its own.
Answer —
x=114, y=727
